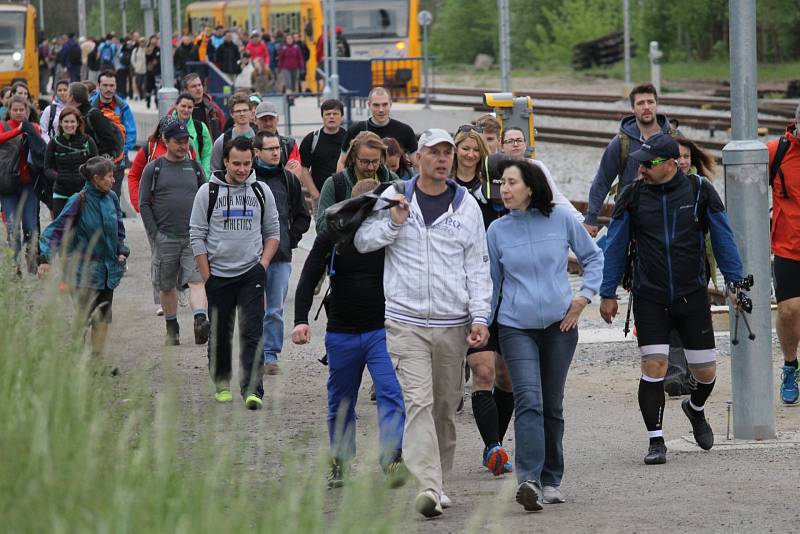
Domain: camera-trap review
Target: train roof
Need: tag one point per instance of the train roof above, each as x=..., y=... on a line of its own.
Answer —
x=213, y=4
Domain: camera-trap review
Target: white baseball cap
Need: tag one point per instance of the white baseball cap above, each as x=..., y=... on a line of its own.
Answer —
x=434, y=136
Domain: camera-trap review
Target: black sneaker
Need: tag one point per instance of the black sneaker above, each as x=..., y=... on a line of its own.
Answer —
x=202, y=329
x=656, y=454
x=673, y=388
x=703, y=434
x=529, y=495
x=173, y=334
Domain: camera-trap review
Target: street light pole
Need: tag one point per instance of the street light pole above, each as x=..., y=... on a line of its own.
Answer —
x=505, y=44
x=82, y=18
x=122, y=7
x=103, y=18
x=627, y=24
x=149, y=23
x=334, y=80
x=746, y=190
x=167, y=94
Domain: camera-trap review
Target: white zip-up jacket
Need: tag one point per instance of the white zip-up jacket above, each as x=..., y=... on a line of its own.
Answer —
x=434, y=276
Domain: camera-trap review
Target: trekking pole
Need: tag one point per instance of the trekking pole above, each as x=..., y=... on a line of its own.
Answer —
x=627, y=328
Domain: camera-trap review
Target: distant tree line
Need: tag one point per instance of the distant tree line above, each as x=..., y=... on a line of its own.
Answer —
x=545, y=31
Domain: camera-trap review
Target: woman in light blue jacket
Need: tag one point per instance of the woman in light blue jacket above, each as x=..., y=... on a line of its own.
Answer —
x=537, y=318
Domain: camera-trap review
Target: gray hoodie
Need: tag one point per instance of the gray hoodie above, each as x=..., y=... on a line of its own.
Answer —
x=233, y=240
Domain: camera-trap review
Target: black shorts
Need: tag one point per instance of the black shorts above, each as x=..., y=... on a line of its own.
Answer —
x=690, y=316
x=786, y=274
x=492, y=345
x=94, y=304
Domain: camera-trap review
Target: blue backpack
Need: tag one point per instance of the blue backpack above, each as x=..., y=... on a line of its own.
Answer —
x=107, y=56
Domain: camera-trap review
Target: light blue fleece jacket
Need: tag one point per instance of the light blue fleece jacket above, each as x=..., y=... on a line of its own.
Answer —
x=528, y=255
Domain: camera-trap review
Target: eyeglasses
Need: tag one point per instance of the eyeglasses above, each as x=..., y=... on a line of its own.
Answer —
x=653, y=163
x=513, y=141
x=368, y=162
x=238, y=111
x=469, y=128
x=271, y=148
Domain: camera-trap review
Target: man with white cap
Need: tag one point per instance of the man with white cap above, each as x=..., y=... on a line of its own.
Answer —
x=438, y=291
x=267, y=121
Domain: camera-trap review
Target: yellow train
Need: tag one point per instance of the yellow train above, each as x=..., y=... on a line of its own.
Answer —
x=386, y=29
x=19, y=53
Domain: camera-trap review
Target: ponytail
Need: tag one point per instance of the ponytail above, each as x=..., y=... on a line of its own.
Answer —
x=96, y=166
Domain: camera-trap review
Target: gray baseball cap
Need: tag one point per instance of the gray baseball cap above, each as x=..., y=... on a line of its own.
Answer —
x=266, y=108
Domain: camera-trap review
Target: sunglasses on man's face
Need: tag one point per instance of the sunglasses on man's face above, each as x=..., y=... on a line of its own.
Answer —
x=653, y=162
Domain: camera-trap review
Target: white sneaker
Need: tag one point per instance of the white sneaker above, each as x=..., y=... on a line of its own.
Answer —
x=183, y=299
x=427, y=503
x=160, y=311
x=552, y=495
x=445, y=501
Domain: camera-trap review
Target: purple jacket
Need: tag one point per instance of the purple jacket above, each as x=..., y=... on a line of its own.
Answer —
x=291, y=58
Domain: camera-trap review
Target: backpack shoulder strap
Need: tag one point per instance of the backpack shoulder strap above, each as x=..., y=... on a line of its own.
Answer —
x=198, y=172
x=198, y=128
x=213, y=193
x=51, y=120
x=624, y=152
x=315, y=141
x=697, y=188
x=260, y=196
x=156, y=171
x=339, y=187
x=777, y=160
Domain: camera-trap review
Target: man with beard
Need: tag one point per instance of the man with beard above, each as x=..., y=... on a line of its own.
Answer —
x=633, y=130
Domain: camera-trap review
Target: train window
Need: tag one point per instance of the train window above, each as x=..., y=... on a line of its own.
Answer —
x=12, y=32
x=284, y=21
x=366, y=20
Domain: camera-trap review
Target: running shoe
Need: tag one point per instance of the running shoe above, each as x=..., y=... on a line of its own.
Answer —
x=223, y=395
x=495, y=459
x=336, y=474
x=253, y=402
x=427, y=503
x=183, y=299
x=529, y=495
x=160, y=312
x=656, y=454
x=552, y=495
x=373, y=397
x=272, y=369
x=703, y=434
x=173, y=336
x=789, y=390
x=202, y=329
x=397, y=474
x=445, y=501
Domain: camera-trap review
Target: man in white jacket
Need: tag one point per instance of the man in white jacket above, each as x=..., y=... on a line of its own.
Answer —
x=438, y=289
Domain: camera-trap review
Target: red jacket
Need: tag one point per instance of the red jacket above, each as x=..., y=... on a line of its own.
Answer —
x=785, y=228
x=291, y=58
x=258, y=50
x=145, y=155
x=15, y=130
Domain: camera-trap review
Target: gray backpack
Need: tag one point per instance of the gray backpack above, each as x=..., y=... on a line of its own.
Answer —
x=9, y=163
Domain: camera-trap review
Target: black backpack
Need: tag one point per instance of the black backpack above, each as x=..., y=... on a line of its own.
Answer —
x=9, y=163
x=111, y=146
x=775, y=168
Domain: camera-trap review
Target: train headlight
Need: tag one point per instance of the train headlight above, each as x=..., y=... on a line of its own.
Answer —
x=400, y=45
x=16, y=56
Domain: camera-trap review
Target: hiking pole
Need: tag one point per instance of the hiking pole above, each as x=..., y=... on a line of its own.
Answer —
x=627, y=328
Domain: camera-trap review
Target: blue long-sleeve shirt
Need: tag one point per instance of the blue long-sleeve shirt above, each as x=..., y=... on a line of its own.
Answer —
x=123, y=111
x=528, y=254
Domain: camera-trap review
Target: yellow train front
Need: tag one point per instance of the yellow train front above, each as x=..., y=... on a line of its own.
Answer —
x=19, y=54
x=385, y=32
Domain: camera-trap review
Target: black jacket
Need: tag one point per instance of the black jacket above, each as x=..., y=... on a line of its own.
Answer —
x=183, y=54
x=106, y=135
x=227, y=58
x=63, y=158
x=292, y=212
x=668, y=223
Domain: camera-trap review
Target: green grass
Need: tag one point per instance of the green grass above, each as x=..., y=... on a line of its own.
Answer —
x=86, y=452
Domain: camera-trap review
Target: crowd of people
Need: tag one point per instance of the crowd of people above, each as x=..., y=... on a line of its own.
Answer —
x=462, y=262
x=255, y=60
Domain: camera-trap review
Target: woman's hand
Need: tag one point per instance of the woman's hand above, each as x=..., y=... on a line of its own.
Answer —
x=570, y=320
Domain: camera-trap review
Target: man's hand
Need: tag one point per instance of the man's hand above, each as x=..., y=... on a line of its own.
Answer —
x=400, y=212
x=264, y=264
x=478, y=335
x=608, y=309
x=293, y=166
x=42, y=270
x=301, y=334
x=570, y=320
x=591, y=229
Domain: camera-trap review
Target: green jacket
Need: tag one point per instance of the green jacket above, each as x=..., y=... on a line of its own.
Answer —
x=204, y=155
x=327, y=196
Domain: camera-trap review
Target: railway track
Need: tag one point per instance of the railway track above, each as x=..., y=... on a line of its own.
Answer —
x=782, y=109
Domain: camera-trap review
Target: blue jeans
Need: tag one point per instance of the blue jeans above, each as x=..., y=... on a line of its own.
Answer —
x=347, y=356
x=275, y=289
x=26, y=201
x=538, y=362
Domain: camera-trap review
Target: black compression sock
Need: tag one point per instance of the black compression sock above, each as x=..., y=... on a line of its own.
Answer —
x=792, y=363
x=505, y=409
x=485, y=411
x=701, y=393
x=651, y=403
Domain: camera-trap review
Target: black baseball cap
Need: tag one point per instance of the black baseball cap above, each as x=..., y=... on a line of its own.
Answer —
x=176, y=130
x=659, y=146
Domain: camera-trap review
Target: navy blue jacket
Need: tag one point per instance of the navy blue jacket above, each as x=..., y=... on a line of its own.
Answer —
x=610, y=165
x=668, y=222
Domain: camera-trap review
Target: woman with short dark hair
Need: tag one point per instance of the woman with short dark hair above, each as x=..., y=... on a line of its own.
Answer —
x=537, y=318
